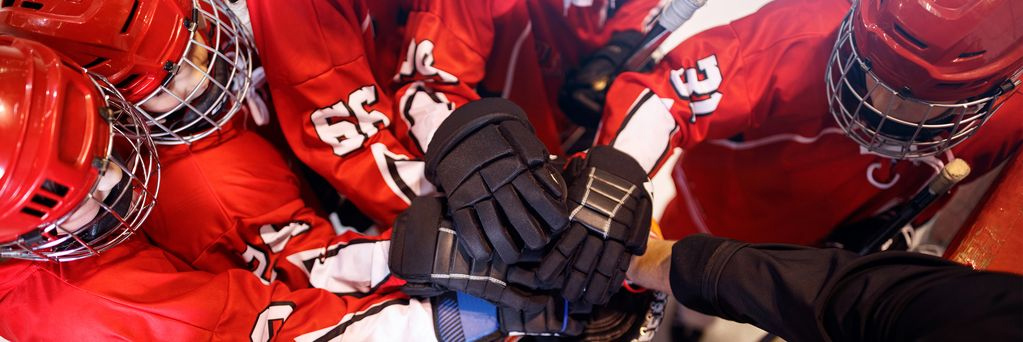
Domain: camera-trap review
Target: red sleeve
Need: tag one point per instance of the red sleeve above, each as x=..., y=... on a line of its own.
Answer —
x=698, y=91
x=596, y=22
x=448, y=43
x=458, y=51
x=568, y=31
x=636, y=15
x=136, y=292
x=720, y=83
x=334, y=113
x=242, y=208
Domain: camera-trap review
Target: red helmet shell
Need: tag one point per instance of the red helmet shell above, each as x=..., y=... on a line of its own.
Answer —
x=130, y=42
x=941, y=50
x=51, y=132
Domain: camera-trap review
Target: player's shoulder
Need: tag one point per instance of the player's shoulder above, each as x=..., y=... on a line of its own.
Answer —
x=307, y=38
x=781, y=24
x=781, y=27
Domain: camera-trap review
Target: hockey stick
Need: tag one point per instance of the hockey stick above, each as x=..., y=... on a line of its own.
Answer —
x=672, y=17
x=952, y=174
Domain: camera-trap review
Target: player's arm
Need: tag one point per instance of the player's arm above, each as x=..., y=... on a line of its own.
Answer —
x=701, y=90
x=335, y=115
x=482, y=153
x=447, y=44
x=275, y=313
x=296, y=246
x=137, y=292
x=810, y=294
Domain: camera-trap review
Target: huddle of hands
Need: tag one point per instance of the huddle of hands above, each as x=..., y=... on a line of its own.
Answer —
x=540, y=241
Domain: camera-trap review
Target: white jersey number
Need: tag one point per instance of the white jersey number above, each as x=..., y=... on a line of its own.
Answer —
x=276, y=238
x=276, y=312
x=699, y=86
x=419, y=59
x=334, y=126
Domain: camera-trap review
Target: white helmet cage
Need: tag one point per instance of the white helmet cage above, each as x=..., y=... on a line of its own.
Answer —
x=219, y=59
x=126, y=205
x=850, y=101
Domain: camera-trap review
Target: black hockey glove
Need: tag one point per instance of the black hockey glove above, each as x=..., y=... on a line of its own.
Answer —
x=611, y=213
x=425, y=253
x=503, y=194
x=582, y=96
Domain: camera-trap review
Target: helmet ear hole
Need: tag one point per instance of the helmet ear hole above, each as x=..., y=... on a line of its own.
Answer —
x=33, y=212
x=44, y=201
x=127, y=81
x=909, y=38
x=969, y=55
x=95, y=62
x=54, y=188
x=131, y=16
x=32, y=5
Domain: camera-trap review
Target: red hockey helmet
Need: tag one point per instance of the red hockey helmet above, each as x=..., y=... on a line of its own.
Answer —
x=186, y=64
x=912, y=78
x=78, y=172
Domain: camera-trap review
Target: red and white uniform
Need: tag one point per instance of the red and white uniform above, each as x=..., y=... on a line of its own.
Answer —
x=231, y=201
x=763, y=159
x=237, y=195
x=330, y=72
x=324, y=74
x=458, y=51
x=237, y=251
x=139, y=292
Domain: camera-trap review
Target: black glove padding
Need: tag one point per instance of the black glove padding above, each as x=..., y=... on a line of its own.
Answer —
x=582, y=96
x=503, y=194
x=611, y=213
x=425, y=253
x=553, y=320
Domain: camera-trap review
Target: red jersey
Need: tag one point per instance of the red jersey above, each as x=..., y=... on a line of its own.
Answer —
x=138, y=292
x=231, y=201
x=458, y=51
x=763, y=159
x=230, y=207
x=321, y=63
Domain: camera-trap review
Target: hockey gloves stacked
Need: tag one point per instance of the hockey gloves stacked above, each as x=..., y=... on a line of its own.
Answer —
x=504, y=196
x=425, y=253
x=506, y=208
x=610, y=211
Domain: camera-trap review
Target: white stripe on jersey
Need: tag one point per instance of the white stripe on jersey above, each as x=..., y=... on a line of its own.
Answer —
x=387, y=321
x=356, y=267
x=646, y=133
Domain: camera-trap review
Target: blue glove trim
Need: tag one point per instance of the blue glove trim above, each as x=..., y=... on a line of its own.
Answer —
x=479, y=317
x=564, y=317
